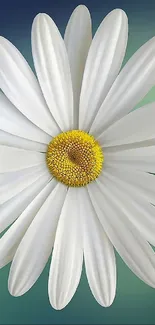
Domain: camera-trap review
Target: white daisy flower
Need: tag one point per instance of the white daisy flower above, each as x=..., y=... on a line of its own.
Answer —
x=76, y=168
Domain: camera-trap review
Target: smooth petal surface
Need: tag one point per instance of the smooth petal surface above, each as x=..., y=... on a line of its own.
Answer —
x=11, y=210
x=21, y=180
x=66, y=265
x=139, y=211
x=132, y=84
x=52, y=68
x=10, y=140
x=19, y=84
x=14, y=122
x=142, y=158
x=103, y=64
x=36, y=246
x=13, y=159
x=11, y=239
x=140, y=183
x=15, y=176
x=134, y=128
x=134, y=250
x=78, y=37
x=98, y=254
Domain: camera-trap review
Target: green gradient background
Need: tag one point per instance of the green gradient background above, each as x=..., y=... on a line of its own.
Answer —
x=135, y=301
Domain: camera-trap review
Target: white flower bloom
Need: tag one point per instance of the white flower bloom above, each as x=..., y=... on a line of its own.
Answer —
x=77, y=195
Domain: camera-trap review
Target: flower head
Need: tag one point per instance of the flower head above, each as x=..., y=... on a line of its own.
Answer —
x=76, y=161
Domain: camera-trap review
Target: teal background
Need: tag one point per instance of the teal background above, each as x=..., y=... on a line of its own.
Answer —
x=135, y=301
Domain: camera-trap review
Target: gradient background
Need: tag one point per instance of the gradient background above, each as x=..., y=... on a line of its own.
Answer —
x=135, y=301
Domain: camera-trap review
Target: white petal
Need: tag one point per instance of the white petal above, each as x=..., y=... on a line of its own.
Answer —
x=10, y=177
x=136, y=127
x=139, y=211
x=134, y=250
x=19, y=84
x=36, y=246
x=14, y=122
x=131, y=85
x=140, y=183
x=13, y=159
x=11, y=239
x=78, y=37
x=142, y=158
x=21, y=180
x=10, y=210
x=10, y=140
x=98, y=254
x=66, y=265
x=52, y=68
x=103, y=64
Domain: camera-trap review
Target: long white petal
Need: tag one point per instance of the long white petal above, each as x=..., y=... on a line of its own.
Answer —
x=140, y=183
x=11, y=210
x=11, y=239
x=98, y=254
x=139, y=211
x=13, y=159
x=10, y=140
x=10, y=177
x=66, y=265
x=21, y=180
x=19, y=84
x=78, y=37
x=131, y=85
x=134, y=250
x=142, y=158
x=14, y=122
x=103, y=64
x=36, y=246
x=134, y=128
x=52, y=68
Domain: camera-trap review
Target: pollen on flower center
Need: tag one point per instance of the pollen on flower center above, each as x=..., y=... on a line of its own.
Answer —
x=75, y=158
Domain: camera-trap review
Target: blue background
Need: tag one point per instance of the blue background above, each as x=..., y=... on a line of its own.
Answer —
x=135, y=301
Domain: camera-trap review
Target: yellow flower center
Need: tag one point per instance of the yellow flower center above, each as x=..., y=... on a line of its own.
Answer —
x=75, y=158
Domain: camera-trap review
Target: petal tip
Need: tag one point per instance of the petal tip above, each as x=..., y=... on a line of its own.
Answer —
x=15, y=291
x=13, y=288
x=81, y=7
x=108, y=301
x=12, y=291
x=57, y=307
x=55, y=303
x=41, y=17
x=119, y=14
x=80, y=10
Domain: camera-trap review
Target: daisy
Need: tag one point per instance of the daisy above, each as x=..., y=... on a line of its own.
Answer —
x=76, y=160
